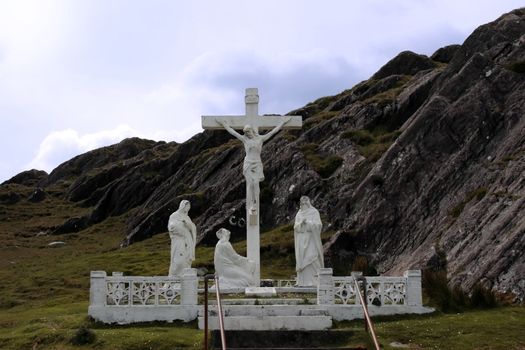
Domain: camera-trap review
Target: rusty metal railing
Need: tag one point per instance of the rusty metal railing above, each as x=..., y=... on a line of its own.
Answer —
x=219, y=306
x=368, y=321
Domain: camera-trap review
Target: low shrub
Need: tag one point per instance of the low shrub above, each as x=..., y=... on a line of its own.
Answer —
x=455, y=299
x=360, y=137
x=372, y=143
x=389, y=137
x=327, y=166
x=361, y=264
x=83, y=336
x=436, y=287
x=482, y=297
x=517, y=67
x=374, y=151
x=324, y=164
x=457, y=210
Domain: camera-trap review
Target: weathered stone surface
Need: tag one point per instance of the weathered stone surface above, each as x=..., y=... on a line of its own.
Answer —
x=97, y=159
x=407, y=63
x=454, y=178
x=73, y=224
x=445, y=54
x=38, y=195
x=27, y=178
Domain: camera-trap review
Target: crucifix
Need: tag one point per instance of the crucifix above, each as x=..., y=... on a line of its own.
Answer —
x=251, y=123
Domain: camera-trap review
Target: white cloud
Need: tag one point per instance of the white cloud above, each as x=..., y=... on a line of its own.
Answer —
x=214, y=82
x=62, y=145
x=32, y=31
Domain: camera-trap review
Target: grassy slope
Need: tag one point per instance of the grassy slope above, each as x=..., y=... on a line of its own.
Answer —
x=45, y=293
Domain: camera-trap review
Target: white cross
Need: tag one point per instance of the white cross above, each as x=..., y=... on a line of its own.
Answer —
x=252, y=117
x=257, y=122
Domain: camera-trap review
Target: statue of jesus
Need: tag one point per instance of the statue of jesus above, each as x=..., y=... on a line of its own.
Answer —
x=253, y=166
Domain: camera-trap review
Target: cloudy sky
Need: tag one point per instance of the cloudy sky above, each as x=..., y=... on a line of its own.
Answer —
x=81, y=74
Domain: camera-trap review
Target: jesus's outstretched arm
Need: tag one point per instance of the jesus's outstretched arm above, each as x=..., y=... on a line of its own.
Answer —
x=275, y=130
x=230, y=129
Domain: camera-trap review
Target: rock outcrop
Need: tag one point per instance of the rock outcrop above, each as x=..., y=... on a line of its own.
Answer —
x=426, y=157
x=406, y=63
x=27, y=178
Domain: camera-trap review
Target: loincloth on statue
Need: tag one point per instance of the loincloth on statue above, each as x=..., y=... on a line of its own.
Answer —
x=253, y=170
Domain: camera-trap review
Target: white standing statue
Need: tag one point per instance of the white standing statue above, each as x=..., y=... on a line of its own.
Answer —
x=253, y=166
x=308, y=247
x=183, y=234
x=234, y=270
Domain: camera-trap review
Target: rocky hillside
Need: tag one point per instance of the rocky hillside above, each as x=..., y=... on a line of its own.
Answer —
x=425, y=159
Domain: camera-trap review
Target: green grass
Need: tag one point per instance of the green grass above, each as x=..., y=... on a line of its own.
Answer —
x=318, y=118
x=386, y=97
x=360, y=137
x=324, y=164
x=372, y=143
x=499, y=328
x=45, y=298
x=323, y=102
x=45, y=291
x=53, y=327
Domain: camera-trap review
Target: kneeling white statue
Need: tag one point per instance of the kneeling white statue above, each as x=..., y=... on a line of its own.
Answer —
x=308, y=247
x=234, y=270
x=183, y=234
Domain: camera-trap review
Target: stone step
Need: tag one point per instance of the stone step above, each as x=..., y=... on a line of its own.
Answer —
x=267, y=310
x=251, y=323
x=285, y=339
x=316, y=348
x=266, y=301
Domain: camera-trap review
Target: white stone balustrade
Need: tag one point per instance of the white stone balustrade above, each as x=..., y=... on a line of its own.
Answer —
x=380, y=290
x=126, y=299
x=414, y=293
x=325, y=287
x=384, y=295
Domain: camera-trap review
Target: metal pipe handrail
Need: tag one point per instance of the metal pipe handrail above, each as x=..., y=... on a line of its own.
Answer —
x=206, y=278
x=368, y=320
x=221, y=319
x=219, y=303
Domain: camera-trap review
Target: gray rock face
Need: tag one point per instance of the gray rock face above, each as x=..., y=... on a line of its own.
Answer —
x=419, y=158
x=407, y=62
x=455, y=177
x=38, y=195
x=445, y=54
x=98, y=159
x=28, y=178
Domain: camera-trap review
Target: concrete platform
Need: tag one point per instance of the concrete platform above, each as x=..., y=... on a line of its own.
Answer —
x=264, y=292
x=266, y=301
x=266, y=310
x=269, y=317
x=251, y=323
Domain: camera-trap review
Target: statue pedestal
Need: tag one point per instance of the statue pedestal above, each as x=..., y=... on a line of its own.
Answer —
x=263, y=292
